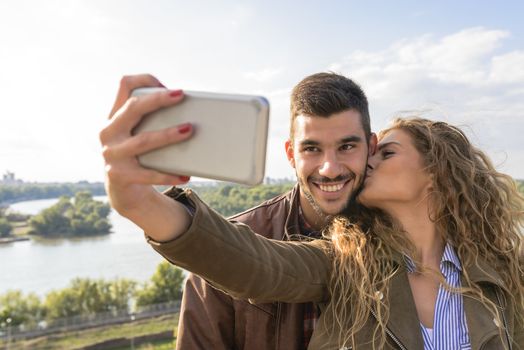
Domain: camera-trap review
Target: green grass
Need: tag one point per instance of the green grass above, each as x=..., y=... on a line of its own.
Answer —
x=74, y=340
x=157, y=345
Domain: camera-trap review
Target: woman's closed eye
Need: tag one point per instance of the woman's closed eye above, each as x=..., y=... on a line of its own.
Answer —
x=387, y=153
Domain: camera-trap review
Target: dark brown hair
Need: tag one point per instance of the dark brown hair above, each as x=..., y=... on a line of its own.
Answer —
x=324, y=94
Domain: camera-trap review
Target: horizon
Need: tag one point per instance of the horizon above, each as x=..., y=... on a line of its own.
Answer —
x=61, y=63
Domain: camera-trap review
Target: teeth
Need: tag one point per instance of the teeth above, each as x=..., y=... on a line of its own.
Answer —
x=331, y=188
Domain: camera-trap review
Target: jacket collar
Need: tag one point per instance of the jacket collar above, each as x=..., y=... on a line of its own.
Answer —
x=482, y=272
x=482, y=325
x=403, y=319
x=292, y=225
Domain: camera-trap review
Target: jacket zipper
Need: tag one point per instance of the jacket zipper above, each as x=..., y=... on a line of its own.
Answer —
x=391, y=335
x=504, y=319
x=277, y=331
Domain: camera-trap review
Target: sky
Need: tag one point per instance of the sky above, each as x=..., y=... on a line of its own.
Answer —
x=61, y=62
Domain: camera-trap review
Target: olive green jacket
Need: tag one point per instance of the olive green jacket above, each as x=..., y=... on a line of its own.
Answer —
x=248, y=266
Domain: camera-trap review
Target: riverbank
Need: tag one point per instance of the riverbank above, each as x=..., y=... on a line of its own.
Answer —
x=20, y=233
x=7, y=240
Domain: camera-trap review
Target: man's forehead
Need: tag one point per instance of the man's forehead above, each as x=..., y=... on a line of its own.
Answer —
x=340, y=125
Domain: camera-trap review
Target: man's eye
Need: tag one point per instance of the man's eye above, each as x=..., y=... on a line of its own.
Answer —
x=346, y=147
x=310, y=149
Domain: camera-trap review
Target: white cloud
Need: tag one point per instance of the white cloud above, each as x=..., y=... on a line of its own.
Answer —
x=508, y=68
x=463, y=77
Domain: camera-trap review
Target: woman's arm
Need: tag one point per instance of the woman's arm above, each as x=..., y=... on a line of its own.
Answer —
x=244, y=264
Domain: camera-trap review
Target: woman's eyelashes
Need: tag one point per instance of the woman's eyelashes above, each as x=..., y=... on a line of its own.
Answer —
x=386, y=153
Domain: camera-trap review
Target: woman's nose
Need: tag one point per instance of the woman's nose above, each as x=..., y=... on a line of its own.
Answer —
x=372, y=162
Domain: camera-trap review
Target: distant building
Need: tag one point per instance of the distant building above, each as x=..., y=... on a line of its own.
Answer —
x=10, y=179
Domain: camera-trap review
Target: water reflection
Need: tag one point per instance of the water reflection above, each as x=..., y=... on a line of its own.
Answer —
x=41, y=264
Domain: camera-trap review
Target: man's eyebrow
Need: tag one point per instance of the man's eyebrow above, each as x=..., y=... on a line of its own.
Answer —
x=308, y=142
x=348, y=139
x=382, y=145
x=353, y=138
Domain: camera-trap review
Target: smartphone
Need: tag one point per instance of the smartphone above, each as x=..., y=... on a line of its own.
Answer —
x=229, y=140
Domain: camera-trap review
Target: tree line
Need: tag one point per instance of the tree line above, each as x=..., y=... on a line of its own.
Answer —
x=230, y=199
x=31, y=191
x=85, y=297
x=80, y=216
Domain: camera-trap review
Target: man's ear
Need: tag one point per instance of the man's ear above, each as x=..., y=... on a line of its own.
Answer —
x=373, y=141
x=290, y=153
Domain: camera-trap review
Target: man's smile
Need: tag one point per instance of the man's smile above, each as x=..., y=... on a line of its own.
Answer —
x=332, y=187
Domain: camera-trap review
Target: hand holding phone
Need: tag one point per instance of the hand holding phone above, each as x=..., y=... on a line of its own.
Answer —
x=229, y=136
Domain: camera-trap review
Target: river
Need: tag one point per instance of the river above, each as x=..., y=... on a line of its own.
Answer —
x=43, y=265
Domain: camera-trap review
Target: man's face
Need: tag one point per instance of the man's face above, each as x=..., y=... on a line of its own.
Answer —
x=330, y=158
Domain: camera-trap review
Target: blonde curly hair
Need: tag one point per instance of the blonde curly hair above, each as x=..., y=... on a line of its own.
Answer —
x=477, y=209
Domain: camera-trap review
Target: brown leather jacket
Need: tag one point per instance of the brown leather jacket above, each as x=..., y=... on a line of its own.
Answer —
x=233, y=258
x=211, y=319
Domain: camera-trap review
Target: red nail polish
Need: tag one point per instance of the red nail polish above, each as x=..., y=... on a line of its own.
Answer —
x=185, y=128
x=184, y=178
x=176, y=93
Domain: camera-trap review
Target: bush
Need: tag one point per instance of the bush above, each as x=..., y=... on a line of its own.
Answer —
x=5, y=227
x=85, y=296
x=165, y=286
x=20, y=309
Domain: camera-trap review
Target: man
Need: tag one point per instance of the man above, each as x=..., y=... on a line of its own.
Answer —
x=328, y=169
x=329, y=143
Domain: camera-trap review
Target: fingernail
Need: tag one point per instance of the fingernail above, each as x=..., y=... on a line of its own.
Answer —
x=185, y=178
x=184, y=128
x=176, y=93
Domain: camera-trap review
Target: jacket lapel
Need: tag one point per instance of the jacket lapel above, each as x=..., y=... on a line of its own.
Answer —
x=481, y=323
x=403, y=320
x=292, y=226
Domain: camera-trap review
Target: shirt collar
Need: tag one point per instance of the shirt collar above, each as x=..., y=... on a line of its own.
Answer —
x=449, y=257
x=305, y=228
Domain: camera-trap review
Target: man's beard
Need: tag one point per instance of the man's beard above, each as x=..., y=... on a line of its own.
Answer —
x=349, y=204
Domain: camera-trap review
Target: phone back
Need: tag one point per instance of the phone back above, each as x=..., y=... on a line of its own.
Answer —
x=229, y=139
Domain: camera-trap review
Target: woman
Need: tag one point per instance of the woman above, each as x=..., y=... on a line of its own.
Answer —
x=435, y=261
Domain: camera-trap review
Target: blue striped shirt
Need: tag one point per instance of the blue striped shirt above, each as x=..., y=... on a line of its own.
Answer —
x=450, y=330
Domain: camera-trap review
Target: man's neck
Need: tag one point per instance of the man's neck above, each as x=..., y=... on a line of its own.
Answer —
x=315, y=219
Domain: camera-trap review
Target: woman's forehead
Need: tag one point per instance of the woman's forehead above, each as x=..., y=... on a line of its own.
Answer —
x=394, y=135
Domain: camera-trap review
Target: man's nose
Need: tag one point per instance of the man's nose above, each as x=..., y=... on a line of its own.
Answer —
x=330, y=166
